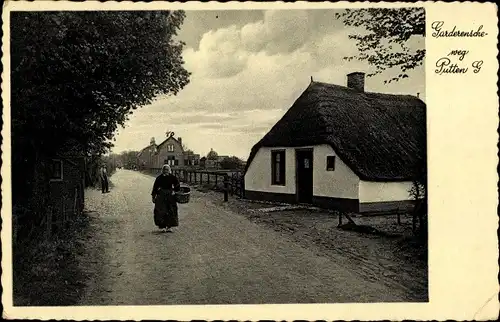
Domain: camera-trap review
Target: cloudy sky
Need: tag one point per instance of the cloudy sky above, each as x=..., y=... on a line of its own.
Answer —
x=248, y=67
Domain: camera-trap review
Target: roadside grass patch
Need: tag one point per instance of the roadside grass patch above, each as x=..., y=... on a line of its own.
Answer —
x=46, y=272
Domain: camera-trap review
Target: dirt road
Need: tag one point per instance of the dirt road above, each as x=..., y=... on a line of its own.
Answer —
x=215, y=257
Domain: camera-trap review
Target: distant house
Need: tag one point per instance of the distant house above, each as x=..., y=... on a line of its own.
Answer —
x=146, y=158
x=170, y=151
x=342, y=148
x=215, y=163
x=191, y=158
x=67, y=184
x=203, y=161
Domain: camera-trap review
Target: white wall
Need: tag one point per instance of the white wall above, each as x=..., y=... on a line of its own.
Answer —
x=384, y=191
x=340, y=183
x=258, y=176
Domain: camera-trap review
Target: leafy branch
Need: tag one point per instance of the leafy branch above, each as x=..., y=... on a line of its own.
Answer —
x=383, y=44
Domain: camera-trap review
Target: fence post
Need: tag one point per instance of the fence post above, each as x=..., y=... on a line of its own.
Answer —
x=226, y=186
x=208, y=178
x=242, y=186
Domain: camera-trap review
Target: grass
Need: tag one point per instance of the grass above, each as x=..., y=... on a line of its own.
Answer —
x=46, y=272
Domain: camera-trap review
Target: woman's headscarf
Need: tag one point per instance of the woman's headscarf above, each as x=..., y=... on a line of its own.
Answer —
x=166, y=169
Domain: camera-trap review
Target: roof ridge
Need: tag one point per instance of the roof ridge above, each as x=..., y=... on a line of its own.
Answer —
x=363, y=92
x=170, y=137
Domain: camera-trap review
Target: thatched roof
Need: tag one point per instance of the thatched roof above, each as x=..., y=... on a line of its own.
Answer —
x=381, y=137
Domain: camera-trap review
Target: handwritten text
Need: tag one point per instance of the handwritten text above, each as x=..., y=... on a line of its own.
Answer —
x=437, y=26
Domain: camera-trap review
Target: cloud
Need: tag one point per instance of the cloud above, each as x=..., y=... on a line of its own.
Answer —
x=245, y=77
x=281, y=31
x=219, y=54
x=225, y=52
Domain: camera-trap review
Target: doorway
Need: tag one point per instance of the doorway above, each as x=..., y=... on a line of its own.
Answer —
x=304, y=175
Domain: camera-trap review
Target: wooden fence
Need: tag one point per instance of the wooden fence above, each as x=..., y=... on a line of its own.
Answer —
x=231, y=182
x=27, y=225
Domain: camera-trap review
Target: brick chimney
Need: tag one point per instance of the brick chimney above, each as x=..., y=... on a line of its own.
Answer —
x=356, y=81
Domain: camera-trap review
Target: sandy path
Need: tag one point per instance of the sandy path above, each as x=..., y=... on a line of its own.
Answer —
x=215, y=257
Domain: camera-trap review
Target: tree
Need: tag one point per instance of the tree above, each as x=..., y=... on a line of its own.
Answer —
x=85, y=72
x=231, y=163
x=77, y=75
x=128, y=159
x=419, y=190
x=388, y=31
x=212, y=155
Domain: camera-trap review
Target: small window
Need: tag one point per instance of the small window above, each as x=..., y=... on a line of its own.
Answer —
x=278, y=167
x=330, y=163
x=56, y=170
x=306, y=163
x=170, y=148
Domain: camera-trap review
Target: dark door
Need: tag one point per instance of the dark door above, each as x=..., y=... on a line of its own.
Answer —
x=304, y=176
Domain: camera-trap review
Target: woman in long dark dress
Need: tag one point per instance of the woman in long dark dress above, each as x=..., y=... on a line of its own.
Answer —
x=164, y=188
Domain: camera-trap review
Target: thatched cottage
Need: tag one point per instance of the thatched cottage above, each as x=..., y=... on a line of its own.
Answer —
x=342, y=148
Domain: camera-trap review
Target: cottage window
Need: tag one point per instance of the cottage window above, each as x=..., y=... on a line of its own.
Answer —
x=56, y=170
x=170, y=160
x=278, y=167
x=170, y=148
x=330, y=163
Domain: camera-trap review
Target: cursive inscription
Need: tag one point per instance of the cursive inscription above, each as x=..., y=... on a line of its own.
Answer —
x=477, y=66
x=460, y=53
x=455, y=62
x=439, y=31
x=445, y=66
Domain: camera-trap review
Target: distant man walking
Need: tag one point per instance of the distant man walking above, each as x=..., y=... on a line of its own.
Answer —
x=104, y=179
